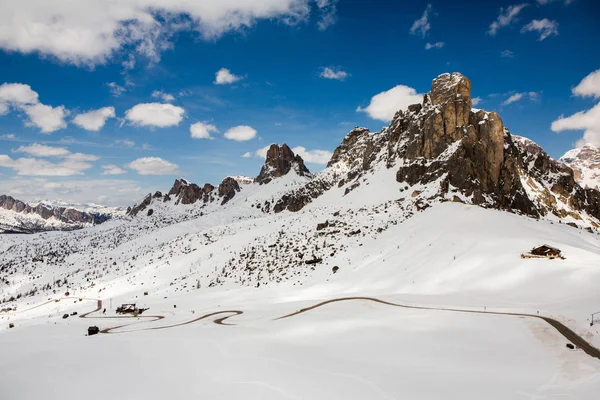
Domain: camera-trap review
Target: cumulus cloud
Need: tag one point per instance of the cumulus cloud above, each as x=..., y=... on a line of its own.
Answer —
x=22, y=98
x=18, y=93
x=262, y=152
x=436, y=45
x=94, y=120
x=475, y=100
x=153, y=166
x=8, y=136
x=111, y=169
x=154, y=114
x=225, y=77
x=384, y=105
x=519, y=96
x=507, y=54
x=544, y=27
x=589, y=86
x=90, y=32
x=166, y=97
x=421, y=26
x=313, y=156
x=47, y=118
x=335, y=73
x=506, y=17
x=247, y=154
x=202, y=130
x=587, y=121
x=241, y=133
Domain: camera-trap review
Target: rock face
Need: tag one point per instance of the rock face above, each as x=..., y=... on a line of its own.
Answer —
x=460, y=154
x=279, y=161
x=227, y=189
x=585, y=163
x=30, y=219
x=182, y=192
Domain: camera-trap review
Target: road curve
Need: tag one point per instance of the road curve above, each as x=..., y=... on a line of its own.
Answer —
x=566, y=332
x=560, y=327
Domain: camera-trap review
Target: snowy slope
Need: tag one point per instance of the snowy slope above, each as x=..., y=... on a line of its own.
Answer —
x=585, y=162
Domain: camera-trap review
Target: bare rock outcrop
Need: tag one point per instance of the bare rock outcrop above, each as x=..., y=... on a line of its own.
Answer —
x=279, y=161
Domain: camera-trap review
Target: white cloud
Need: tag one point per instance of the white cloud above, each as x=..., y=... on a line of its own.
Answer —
x=262, y=153
x=225, y=77
x=115, y=89
x=421, y=26
x=506, y=17
x=37, y=167
x=313, y=156
x=589, y=86
x=333, y=73
x=507, y=54
x=519, y=96
x=247, y=155
x=94, y=120
x=47, y=118
x=125, y=142
x=18, y=93
x=114, y=192
x=328, y=11
x=475, y=100
x=111, y=169
x=544, y=27
x=8, y=136
x=587, y=121
x=153, y=166
x=22, y=98
x=202, y=130
x=166, y=97
x=384, y=105
x=40, y=150
x=90, y=32
x=155, y=114
x=241, y=133
x=436, y=45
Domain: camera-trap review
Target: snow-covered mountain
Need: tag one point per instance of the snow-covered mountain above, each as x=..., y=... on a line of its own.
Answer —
x=421, y=225
x=585, y=163
x=17, y=216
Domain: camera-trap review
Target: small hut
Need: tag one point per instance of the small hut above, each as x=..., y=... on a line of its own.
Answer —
x=544, y=251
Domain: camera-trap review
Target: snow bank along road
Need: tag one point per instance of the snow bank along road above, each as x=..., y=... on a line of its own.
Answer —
x=560, y=327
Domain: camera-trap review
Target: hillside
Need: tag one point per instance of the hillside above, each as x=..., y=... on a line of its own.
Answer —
x=425, y=221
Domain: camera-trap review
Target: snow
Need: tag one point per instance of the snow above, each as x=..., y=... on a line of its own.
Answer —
x=243, y=263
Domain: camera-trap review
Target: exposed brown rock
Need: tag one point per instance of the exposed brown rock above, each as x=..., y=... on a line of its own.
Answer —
x=279, y=161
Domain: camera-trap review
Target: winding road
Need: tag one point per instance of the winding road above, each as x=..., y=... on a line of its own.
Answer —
x=565, y=331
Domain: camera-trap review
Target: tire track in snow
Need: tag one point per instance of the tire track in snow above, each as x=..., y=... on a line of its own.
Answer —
x=558, y=326
x=566, y=332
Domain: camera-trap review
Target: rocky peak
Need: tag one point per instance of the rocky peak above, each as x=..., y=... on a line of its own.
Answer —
x=460, y=154
x=279, y=161
x=585, y=162
x=227, y=189
x=69, y=218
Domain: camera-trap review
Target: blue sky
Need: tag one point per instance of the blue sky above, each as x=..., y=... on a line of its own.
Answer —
x=97, y=102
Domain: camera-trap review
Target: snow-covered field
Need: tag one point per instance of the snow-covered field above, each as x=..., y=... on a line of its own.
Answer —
x=237, y=258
